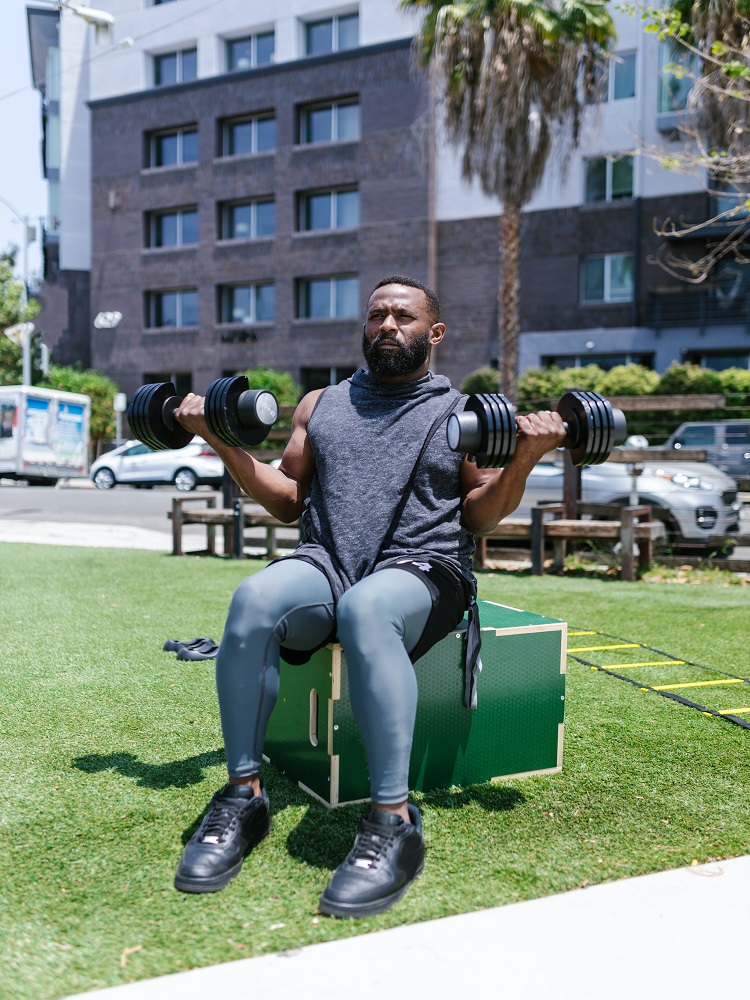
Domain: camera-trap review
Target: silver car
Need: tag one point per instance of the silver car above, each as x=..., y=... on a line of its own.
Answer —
x=136, y=464
x=697, y=501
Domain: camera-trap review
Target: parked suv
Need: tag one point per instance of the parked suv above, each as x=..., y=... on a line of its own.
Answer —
x=136, y=464
x=727, y=443
x=696, y=501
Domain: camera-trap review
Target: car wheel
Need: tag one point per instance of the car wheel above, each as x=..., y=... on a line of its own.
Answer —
x=104, y=479
x=185, y=480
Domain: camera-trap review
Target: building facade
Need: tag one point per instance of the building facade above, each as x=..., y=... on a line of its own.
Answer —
x=252, y=175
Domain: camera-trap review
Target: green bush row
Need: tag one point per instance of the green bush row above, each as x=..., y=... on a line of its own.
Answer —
x=541, y=387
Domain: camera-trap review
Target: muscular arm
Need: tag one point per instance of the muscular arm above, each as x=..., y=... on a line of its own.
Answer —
x=489, y=495
x=280, y=491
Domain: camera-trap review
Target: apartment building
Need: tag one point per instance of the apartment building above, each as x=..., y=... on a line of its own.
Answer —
x=250, y=172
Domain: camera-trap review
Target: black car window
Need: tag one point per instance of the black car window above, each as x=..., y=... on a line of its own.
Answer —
x=738, y=434
x=698, y=436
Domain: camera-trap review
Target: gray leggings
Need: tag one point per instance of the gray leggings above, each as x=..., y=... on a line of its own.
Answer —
x=379, y=621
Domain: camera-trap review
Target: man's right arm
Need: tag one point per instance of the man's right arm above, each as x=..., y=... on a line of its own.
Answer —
x=280, y=491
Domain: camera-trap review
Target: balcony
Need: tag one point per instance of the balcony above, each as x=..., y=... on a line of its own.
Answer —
x=707, y=307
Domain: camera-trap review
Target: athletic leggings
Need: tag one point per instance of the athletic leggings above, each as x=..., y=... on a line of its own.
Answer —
x=379, y=621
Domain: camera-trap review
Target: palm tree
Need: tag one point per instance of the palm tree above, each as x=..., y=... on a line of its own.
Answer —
x=515, y=76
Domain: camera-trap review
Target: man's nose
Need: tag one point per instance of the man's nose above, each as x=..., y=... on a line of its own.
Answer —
x=389, y=323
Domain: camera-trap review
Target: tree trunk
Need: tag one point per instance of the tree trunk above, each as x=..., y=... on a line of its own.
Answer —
x=509, y=320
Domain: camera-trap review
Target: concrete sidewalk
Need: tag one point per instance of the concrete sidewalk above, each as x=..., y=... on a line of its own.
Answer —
x=678, y=935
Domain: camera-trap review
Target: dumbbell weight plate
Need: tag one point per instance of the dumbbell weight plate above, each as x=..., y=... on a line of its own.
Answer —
x=476, y=406
x=576, y=413
x=497, y=457
x=508, y=430
x=602, y=446
x=150, y=417
x=605, y=441
x=487, y=460
x=238, y=415
x=593, y=444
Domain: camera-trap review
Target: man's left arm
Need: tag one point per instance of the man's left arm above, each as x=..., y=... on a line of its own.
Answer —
x=489, y=495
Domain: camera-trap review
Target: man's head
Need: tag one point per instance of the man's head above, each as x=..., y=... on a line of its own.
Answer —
x=402, y=326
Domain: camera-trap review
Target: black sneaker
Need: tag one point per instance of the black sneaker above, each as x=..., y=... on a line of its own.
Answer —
x=235, y=821
x=206, y=650
x=172, y=645
x=387, y=856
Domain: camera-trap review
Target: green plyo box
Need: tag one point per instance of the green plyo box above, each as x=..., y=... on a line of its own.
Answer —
x=516, y=730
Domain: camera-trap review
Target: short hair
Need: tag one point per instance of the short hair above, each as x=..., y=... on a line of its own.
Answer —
x=433, y=302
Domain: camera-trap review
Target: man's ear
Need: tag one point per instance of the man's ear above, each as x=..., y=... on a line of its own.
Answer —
x=437, y=332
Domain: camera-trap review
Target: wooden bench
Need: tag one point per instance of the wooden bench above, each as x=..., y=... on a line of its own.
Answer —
x=628, y=525
x=232, y=520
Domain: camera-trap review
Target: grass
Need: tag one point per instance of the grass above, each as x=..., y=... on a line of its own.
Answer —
x=111, y=748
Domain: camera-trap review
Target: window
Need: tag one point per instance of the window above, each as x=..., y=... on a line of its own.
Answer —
x=608, y=179
x=332, y=34
x=243, y=136
x=182, y=381
x=616, y=81
x=172, y=308
x=175, y=67
x=730, y=199
x=319, y=378
x=605, y=361
x=607, y=278
x=337, y=209
x=331, y=122
x=249, y=52
x=247, y=303
x=622, y=84
x=328, y=298
x=247, y=220
x=674, y=87
x=172, y=229
x=170, y=149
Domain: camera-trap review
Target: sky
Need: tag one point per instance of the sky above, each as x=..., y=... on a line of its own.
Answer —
x=21, y=181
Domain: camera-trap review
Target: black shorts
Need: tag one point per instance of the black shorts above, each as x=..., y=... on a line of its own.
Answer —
x=449, y=591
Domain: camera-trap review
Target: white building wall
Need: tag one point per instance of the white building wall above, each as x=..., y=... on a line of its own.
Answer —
x=76, y=49
x=142, y=31
x=610, y=128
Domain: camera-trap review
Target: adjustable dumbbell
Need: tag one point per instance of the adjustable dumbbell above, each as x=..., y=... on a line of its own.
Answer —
x=487, y=428
x=235, y=414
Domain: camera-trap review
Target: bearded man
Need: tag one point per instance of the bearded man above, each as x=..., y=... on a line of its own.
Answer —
x=386, y=568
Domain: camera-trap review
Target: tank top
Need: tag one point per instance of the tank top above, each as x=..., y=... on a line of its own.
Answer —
x=366, y=436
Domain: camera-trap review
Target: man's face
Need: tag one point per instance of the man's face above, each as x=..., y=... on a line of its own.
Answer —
x=398, y=333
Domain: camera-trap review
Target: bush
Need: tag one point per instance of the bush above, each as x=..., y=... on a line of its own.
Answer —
x=629, y=380
x=736, y=387
x=482, y=380
x=540, y=385
x=587, y=378
x=281, y=384
x=686, y=379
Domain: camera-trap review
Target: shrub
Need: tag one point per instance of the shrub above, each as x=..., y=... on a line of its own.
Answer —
x=686, y=379
x=736, y=387
x=540, y=385
x=482, y=380
x=281, y=384
x=629, y=380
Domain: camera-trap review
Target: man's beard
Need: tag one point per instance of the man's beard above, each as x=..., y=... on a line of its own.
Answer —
x=401, y=361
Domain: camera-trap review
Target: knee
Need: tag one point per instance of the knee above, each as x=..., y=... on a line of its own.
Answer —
x=250, y=608
x=360, y=613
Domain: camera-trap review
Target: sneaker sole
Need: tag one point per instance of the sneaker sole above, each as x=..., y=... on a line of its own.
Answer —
x=371, y=909
x=185, y=883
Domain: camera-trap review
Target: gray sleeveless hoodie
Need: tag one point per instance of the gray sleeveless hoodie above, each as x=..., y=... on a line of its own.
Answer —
x=366, y=436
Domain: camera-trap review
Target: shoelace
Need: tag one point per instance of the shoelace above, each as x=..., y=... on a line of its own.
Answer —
x=221, y=819
x=370, y=845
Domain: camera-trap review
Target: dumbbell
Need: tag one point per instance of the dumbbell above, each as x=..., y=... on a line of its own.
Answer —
x=235, y=414
x=487, y=428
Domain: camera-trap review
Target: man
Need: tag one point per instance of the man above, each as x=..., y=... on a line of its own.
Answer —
x=387, y=568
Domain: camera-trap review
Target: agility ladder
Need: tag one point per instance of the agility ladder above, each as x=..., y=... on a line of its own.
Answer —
x=665, y=690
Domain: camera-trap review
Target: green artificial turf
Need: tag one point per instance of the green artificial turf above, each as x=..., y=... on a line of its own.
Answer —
x=111, y=748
